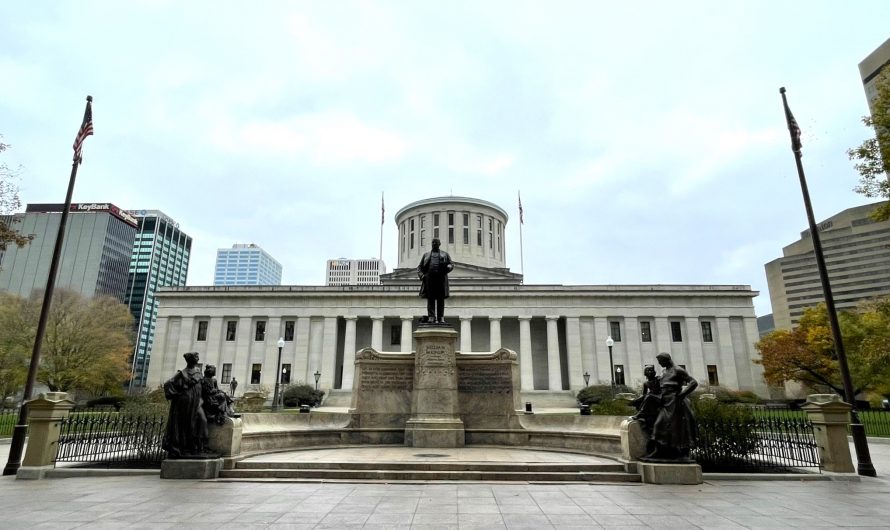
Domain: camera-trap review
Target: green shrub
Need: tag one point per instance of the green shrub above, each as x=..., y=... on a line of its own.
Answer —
x=612, y=407
x=302, y=394
x=598, y=393
x=107, y=401
x=152, y=403
x=725, y=431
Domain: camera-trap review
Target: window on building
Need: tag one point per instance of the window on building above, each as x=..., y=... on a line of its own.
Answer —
x=479, y=237
x=619, y=374
x=713, y=380
x=285, y=374
x=230, y=330
x=466, y=236
x=423, y=239
x=395, y=335
x=422, y=221
x=450, y=218
x=676, y=332
x=435, y=219
x=288, y=330
x=260, y=334
x=466, y=219
x=202, y=330
x=645, y=331
x=226, y=373
x=256, y=371
x=436, y=233
x=450, y=235
x=615, y=330
x=412, y=241
x=706, y=335
x=478, y=221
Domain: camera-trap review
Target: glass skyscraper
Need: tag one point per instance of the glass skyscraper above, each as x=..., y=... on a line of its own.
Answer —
x=160, y=258
x=246, y=264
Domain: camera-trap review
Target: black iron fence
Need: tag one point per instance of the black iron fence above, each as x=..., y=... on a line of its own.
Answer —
x=112, y=439
x=876, y=422
x=8, y=418
x=771, y=441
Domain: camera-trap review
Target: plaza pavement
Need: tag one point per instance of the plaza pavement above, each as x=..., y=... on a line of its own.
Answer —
x=148, y=502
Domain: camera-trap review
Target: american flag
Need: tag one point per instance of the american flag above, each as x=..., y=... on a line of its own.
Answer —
x=382, y=210
x=86, y=129
x=521, y=220
x=793, y=128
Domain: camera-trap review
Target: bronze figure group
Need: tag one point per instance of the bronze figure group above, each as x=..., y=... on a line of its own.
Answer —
x=195, y=400
x=665, y=413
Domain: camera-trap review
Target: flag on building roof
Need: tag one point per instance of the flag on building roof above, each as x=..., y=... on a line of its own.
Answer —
x=521, y=220
x=382, y=210
x=86, y=129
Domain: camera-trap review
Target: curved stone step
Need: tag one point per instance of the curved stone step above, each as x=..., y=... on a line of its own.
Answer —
x=437, y=466
x=432, y=475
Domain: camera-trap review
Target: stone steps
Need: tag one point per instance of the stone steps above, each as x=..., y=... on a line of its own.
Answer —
x=430, y=471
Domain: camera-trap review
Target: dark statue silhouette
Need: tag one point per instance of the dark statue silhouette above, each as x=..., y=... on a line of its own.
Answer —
x=194, y=398
x=665, y=414
x=433, y=273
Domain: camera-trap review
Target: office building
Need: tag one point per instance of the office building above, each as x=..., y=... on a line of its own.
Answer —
x=160, y=258
x=246, y=264
x=857, y=254
x=871, y=67
x=558, y=331
x=96, y=254
x=354, y=271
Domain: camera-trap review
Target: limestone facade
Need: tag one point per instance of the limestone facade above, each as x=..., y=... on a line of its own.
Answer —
x=558, y=331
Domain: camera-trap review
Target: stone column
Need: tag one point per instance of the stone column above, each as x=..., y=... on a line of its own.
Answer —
x=435, y=411
x=601, y=331
x=406, y=333
x=526, y=368
x=633, y=369
x=494, y=335
x=269, y=349
x=752, y=335
x=349, y=352
x=328, y=353
x=696, y=367
x=726, y=365
x=662, y=335
x=44, y=424
x=466, y=334
x=830, y=417
x=214, y=343
x=302, y=370
x=241, y=367
x=377, y=333
x=554, y=370
x=573, y=344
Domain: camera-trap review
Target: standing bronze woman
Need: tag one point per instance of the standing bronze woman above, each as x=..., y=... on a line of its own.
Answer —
x=186, y=435
x=674, y=430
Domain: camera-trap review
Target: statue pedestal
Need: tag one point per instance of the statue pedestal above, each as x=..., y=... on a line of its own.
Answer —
x=185, y=468
x=656, y=473
x=435, y=411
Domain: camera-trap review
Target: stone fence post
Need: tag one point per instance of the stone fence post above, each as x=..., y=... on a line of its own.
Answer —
x=45, y=415
x=830, y=417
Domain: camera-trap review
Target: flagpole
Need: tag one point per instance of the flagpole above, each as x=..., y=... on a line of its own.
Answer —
x=382, y=216
x=21, y=428
x=857, y=430
x=521, y=251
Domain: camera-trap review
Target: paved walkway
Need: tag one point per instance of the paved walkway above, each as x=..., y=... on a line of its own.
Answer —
x=148, y=502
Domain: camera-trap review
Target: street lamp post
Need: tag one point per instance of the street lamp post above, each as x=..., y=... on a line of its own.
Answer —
x=277, y=375
x=609, y=344
x=586, y=379
x=317, y=375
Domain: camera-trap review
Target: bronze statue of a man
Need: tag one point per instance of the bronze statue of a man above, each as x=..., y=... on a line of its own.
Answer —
x=433, y=272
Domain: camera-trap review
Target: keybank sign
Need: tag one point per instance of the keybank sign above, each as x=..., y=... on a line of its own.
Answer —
x=89, y=207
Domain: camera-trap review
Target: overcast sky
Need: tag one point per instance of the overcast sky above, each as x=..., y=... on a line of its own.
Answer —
x=647, y=138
